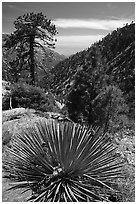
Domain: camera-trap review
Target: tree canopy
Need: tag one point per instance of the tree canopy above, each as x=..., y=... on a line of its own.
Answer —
x=31, y=31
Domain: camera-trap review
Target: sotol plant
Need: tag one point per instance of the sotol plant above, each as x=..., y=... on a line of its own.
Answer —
x=62, y=161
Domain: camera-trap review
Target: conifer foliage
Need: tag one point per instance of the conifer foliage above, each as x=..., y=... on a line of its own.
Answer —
x=30, y=30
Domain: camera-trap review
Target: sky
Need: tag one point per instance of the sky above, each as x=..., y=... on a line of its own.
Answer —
x=79, y=24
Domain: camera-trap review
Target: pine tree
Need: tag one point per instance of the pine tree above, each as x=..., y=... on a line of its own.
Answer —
x=31, y=31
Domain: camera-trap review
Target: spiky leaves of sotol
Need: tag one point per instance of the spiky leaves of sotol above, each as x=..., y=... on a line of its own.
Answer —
x=62, y=161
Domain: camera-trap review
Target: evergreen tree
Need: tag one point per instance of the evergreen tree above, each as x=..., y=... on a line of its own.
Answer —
x=31, y=30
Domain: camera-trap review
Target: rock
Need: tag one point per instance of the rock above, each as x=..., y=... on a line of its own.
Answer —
x=16, y=113
x=59, y=105
x=15, y=120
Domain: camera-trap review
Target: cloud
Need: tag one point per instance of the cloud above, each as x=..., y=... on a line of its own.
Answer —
x=15, y=7
x=108, y=24
x=73, y=40
x=71, y=44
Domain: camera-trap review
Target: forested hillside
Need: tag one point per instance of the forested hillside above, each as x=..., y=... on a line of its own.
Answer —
x=119, y=51
x=108, y=62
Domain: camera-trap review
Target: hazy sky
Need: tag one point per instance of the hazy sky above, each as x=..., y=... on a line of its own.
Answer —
x=79, y=23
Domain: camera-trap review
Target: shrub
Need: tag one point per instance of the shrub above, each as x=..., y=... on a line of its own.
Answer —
x=63, y=161
x=6, y=102
x=28, y=96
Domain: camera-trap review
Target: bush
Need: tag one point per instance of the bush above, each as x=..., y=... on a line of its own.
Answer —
x=6, y=102
x=28, y=96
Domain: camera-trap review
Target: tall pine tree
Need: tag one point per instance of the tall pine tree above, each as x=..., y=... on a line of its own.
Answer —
x=31, y=30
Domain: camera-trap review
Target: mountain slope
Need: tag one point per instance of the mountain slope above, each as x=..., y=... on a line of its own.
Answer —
x=118, y=53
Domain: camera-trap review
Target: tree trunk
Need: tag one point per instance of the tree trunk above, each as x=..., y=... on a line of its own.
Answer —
x=32, y=61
